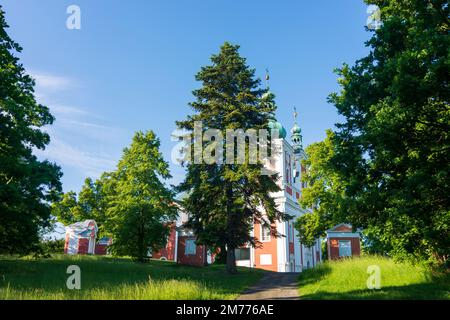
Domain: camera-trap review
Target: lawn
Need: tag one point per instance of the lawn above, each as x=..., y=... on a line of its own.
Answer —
x=114, y=278
x=347, y=279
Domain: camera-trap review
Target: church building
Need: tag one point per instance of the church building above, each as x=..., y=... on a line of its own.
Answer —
x=279, y=254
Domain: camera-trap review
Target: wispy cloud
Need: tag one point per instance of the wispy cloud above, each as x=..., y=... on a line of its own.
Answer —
x=88, y=164
x=52, y=82
x=68, y=111
x=87, y=130
x=78, y=134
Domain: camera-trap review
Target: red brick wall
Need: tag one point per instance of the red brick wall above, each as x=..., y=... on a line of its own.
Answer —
x=199, y=259
x=100, y=249
x=169, y=251
x=83, y=245
x=333, y=244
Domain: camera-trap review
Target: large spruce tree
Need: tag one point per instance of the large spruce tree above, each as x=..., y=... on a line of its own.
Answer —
x=27, y=185
x=223, y=199
x=391, y=155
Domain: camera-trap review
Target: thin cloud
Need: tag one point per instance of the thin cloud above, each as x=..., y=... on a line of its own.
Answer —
x=68, y=111
x=52, y=82
x=78, y=125
x=90, y=165
x=84, y=128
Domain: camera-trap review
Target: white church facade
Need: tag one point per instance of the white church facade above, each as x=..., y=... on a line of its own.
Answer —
x=279, y=254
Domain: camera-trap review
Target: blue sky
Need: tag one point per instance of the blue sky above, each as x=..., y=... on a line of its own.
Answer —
x=132, y=65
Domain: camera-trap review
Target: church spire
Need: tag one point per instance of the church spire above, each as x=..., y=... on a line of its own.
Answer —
x=295, y=116
x=268, y=97
x=296, y=135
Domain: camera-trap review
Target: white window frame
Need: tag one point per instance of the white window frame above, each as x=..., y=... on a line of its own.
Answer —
x=262, y=238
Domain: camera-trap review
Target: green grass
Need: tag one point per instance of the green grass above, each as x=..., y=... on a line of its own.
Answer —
x=347, y=279
x=114, y=278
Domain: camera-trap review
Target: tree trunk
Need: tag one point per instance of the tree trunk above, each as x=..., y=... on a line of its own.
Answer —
x=141, y=241
x=231, y=261
x=221, y=257
x=231, y=256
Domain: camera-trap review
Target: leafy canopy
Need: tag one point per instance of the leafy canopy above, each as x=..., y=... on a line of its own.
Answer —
x=391, y=154
x=27, y=185
x=141, y=206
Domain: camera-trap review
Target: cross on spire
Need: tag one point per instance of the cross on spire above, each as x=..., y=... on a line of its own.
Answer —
x=295, y=115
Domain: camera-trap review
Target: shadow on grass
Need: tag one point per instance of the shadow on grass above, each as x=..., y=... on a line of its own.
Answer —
x=310, y=276
x=423, y=291
x=436, y=287
x=50, y=275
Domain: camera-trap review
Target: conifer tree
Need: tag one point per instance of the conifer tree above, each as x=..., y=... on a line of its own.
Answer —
x=224, y=199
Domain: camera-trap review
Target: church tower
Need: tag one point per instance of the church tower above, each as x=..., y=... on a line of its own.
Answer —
x=296, y=136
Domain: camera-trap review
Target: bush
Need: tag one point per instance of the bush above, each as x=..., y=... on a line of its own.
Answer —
x=52, y=246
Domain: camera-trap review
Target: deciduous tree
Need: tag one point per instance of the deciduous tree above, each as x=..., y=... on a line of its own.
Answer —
x=392, y=151
x=141, y=206
x=27, y=185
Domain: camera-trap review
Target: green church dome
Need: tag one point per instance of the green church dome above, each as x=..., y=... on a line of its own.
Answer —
x=275, y=125
x=296, y=130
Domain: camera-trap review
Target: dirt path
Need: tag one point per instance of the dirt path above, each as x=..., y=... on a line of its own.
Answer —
x=274, y=285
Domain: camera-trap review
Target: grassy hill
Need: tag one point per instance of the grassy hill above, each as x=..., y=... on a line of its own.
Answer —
x=110, y=278
x=347, y=279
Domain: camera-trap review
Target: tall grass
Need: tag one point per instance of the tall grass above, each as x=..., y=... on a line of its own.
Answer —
x=347, y=279
x=152, y=290
x=105, y=278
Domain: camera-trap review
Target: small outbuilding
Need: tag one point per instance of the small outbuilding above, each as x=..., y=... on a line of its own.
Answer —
x=342, y=242
x=102, y=246
x=80, y=237
x=188, y=251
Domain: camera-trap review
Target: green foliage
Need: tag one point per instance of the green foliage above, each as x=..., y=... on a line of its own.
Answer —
x=223, y=199
x=324, y=192
x=27, y=185
x=131, y=204
x=53, y=246
x=66, y=209
x=388, y=164
x=90, y=203
x=309, y=228
x=141, y=206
